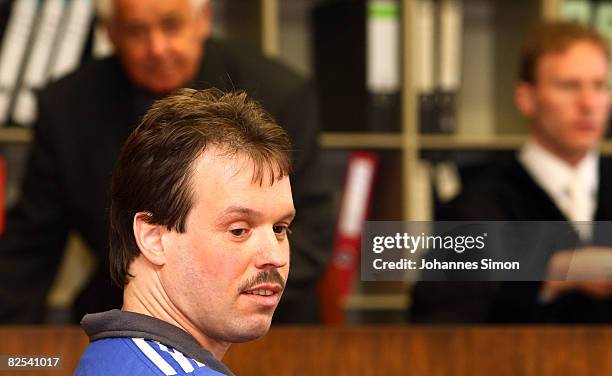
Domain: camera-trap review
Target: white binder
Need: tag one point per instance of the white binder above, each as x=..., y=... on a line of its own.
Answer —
x=36, y=72
x=72, y=38
x=14, y=46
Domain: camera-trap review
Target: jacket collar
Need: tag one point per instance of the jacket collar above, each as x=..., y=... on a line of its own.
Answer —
x=116, y=323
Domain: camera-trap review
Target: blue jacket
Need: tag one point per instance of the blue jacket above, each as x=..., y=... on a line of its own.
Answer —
x=127, y=343
x=135, y=357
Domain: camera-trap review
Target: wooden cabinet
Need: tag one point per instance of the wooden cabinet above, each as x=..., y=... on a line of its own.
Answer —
x=373, y=350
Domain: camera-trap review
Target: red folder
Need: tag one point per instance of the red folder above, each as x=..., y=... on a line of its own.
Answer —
x=337, y=283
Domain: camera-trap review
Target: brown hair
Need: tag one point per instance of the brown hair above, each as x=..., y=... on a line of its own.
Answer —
x=153, y=174
x=549, y=37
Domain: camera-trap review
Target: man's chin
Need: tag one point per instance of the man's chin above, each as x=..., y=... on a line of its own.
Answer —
x=253, y=328
x=583, y=146
x=585, y=139
x=161, y=86
x=163, y=89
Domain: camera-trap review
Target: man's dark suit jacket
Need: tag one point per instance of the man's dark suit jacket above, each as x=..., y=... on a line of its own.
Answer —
x=84, y=119
x=506, y=192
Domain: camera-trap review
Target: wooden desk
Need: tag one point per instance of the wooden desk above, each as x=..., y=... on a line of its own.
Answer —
x=69, y=342
x=384, y=350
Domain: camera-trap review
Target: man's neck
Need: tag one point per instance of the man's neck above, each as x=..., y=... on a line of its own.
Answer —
x=571, y=157
x=148, y=298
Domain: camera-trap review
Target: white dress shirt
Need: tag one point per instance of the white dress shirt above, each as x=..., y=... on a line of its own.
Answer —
x=573, y=189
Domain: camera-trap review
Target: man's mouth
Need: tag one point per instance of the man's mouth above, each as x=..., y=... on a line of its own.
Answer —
x=260, y=292
x=263, y=283
x=264, y=290
x=267, y=294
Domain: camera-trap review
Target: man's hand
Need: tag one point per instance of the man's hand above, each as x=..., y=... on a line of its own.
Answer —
x=588, y=270
x=599, y=290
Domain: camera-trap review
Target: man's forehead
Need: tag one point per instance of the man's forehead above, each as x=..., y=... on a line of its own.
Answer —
x=581, y=49
x=224, y=184
x=235, y=165
x=580, y=59
x=142, y=8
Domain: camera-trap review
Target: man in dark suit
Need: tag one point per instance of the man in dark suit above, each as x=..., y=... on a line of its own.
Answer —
x=84, y=119
x=556, y=176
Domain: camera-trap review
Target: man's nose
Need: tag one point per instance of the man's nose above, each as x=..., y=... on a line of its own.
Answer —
x=272, y=252
x=158, y=43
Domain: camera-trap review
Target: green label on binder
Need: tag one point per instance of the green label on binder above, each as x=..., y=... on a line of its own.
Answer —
x=380, y=9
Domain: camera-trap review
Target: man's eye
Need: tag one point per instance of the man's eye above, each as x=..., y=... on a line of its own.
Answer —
x=601, y=86
x=171, y=25
x=568, y=85
x=238, y=231
x=135, y=31
x=281, y=229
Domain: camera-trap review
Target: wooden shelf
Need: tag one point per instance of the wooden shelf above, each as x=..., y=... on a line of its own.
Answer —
x=346, y=140
x=430, y=142
x=15, y=135
x=376, y=302
x=606, y=148
x=426, y=142
x=460, y=142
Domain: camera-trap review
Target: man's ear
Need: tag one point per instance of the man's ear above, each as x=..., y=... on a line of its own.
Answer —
x=524, y=98
x=149, y=238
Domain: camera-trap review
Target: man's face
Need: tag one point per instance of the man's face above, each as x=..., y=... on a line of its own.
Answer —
x=159, y=42
x=569, y=102
x=225, y=274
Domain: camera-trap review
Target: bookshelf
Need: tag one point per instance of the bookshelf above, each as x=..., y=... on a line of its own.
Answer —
x=382, y=141
x=491, y=39
x=406, y=140
x=487, y=119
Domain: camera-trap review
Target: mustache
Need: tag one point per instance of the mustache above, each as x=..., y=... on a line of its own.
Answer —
x=264, y=276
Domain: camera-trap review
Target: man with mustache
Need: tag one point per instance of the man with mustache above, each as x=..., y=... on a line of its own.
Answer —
x=84, y=118
x=200, y=215
x=557, y=175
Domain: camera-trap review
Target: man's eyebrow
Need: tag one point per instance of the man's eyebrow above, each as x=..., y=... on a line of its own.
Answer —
x=241, y=210
x=252, y=213
x=173, y=15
